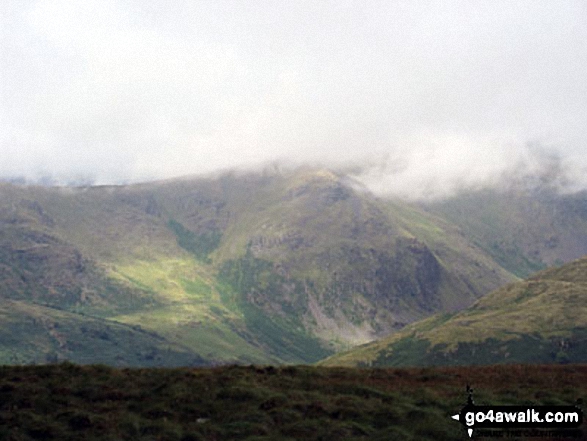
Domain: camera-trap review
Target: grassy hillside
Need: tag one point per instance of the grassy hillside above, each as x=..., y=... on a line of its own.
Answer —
x=69, y=402
x=540, y=320
x=524, y=231
x=37, y=334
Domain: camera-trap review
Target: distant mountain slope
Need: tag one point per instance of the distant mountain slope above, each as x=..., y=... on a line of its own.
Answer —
x=31, y=333
x=252, y=268
x=540, y=320
x=524, y=231
x=36, y=265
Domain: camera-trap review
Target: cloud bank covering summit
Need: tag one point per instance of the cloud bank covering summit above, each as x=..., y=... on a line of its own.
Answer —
x=423, y=98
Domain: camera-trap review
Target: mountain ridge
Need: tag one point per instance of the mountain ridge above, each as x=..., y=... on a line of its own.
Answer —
x=243, y=267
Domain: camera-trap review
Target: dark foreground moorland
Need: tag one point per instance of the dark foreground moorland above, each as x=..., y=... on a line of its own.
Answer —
x=71, y=402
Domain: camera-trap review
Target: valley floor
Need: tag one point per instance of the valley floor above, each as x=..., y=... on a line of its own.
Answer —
x=71, y=402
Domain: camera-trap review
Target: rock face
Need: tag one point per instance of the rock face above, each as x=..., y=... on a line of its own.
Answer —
x=413, y=273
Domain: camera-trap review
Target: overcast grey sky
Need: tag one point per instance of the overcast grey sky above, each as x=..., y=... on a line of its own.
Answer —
x=431, y=95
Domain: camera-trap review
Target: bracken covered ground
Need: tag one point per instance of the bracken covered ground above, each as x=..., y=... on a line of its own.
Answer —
x=72, y=402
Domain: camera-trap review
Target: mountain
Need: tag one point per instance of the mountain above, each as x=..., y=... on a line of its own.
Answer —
x=540, y=320
x=265, y=267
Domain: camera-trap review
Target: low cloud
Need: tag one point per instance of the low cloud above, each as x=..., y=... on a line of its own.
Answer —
x=426, y=98
x=439, y=171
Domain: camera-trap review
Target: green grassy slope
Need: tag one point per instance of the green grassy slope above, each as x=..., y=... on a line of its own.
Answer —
x=523, y=231
x=69, y=402
x=195, y=310
x=38, y=334
x=38, y=266
x=540, y=320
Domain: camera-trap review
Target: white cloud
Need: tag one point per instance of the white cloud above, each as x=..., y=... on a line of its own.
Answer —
x=452, y=93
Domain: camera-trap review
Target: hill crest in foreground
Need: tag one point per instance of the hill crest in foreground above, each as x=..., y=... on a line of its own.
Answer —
x=69, y=402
